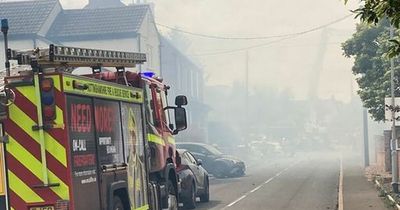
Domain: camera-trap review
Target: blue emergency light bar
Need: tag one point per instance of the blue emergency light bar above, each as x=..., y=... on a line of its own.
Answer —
x=148, y=74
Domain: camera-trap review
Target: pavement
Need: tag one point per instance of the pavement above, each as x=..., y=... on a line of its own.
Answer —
x=358, y=192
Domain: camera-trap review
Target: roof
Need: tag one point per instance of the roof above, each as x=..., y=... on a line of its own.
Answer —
x=26, y=17
x=72, y=24
x=94, y=4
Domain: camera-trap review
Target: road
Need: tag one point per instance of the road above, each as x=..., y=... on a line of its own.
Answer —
x=300, y=183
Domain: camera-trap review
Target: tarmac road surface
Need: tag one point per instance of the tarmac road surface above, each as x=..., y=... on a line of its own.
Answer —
x=305, y=182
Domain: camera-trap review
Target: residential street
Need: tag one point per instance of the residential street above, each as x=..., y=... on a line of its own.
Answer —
x=300, y=183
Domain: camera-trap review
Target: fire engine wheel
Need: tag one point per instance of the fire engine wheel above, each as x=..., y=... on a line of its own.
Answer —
x=118, y=205
x=172, y=199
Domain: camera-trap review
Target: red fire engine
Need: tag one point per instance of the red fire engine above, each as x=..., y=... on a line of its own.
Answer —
x=97, y=141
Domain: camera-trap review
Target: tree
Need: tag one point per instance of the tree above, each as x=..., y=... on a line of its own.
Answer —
x=373, y=11
x=368, y=47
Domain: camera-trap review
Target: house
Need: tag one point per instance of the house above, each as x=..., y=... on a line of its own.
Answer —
x=109, y=25
x=29, y=23
x=186, y=78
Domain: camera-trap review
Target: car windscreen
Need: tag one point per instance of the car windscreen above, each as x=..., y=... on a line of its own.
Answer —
x=213, y=150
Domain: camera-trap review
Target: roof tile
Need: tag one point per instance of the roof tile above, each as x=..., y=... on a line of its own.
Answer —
x=83, y=22
x=26, y=17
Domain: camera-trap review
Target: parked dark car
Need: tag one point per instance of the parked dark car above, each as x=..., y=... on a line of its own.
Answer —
x=214, y=161
x=194, y=179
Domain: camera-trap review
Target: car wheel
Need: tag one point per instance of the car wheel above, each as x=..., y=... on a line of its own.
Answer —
x=190, y=202
x=219, y=171
x=118, y=205
x=238, y=173
x=206, y=196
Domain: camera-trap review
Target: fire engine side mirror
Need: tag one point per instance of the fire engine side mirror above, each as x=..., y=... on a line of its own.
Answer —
x=181, y=101
x=180, y=119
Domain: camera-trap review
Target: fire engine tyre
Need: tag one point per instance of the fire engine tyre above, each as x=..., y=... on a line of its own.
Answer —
x=206, y=196
x=118, y=205
x=190, y=202
x=172, y=199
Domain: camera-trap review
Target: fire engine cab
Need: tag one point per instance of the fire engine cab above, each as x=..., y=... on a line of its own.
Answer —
x=98, y=141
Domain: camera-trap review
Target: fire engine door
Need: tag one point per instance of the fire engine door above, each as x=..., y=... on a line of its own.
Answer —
x=81, y=131
x=135, y=153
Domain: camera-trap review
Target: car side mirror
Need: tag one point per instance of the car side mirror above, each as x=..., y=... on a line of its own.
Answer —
x=199, y=162
x=180, y=119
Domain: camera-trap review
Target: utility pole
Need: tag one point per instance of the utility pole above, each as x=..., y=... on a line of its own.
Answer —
x=246, y=98
x=395, y=175
x=366, y=145
x=247, y=85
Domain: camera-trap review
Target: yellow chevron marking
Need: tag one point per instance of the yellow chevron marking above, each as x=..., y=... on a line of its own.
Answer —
x=28, y=92
x=26, y=123
x=57, y=83
x=24, y=157
x=56, y=149
x=34, y=166
x=62, y=190
x=59, y=116
x=22, y=190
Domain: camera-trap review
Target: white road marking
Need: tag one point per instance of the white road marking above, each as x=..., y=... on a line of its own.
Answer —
x=234, y=202
x=258, y=187
x=340, y=196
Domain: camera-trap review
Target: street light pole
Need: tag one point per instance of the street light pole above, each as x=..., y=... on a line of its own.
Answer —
x=395, y=173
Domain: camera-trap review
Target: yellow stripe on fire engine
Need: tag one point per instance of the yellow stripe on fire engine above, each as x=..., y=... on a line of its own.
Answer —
x=22, y=190
x=24, y=157
x=29, y=93
x=145, y=207
x=155, y=139
x=35, y=166
x=59, y=118
x=102, y=89
x=25, y=122
x=56, y=81
x=171, y=140
x=62, y=190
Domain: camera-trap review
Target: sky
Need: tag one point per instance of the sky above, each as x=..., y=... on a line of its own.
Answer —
x=284, y=65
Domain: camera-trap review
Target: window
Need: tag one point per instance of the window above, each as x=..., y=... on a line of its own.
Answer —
x=185, y=159
x=108, y=131
x=164, y=102
x=150, y=114
x=191, y=158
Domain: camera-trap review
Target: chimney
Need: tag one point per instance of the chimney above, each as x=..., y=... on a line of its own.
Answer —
x=96, y=4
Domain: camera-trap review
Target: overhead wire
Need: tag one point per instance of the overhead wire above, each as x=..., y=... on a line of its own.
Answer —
x=282, y=36
x=254, y=38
